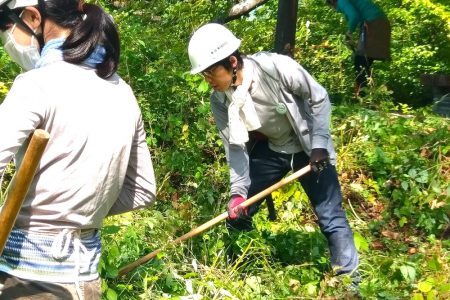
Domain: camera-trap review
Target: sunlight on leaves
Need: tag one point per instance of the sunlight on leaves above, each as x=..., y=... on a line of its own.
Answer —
x=360, y=242
x=408, y=273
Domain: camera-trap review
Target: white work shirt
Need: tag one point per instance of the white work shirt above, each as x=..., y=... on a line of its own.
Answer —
x=97, y=161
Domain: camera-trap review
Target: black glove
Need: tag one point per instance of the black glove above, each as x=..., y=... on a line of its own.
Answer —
x=319, y=159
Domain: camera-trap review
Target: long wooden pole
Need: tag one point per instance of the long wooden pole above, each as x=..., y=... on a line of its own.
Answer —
x=124, y=270
x=20, y=184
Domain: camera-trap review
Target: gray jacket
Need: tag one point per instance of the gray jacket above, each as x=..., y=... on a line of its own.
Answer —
x=308, y=112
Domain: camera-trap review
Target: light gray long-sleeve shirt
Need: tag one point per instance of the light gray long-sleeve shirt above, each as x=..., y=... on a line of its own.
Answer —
x=308, y=111
x=96, y=163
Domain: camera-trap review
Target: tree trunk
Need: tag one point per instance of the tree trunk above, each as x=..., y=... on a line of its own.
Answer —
x=286, y=27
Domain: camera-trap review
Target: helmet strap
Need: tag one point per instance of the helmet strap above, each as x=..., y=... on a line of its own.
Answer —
x=40, y=37
x=16, y=19
x=234, y=77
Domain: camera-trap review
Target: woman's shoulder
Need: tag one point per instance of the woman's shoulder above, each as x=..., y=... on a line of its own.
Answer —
x=60, y=70
x=63, y=76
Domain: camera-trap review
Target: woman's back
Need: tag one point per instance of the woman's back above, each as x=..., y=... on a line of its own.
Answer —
x=93, y=124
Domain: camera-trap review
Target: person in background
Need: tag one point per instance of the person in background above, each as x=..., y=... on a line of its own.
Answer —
x=273, y=118
x=374, y=36
x=96, y=163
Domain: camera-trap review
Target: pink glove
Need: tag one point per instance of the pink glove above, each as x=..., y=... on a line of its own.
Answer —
x=235, y=210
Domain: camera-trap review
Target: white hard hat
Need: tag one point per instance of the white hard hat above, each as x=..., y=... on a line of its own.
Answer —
x=13, y=4
x=209, y=44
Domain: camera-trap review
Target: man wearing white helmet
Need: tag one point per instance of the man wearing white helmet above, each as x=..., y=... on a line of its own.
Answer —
x=97, y=162
x=273, y=117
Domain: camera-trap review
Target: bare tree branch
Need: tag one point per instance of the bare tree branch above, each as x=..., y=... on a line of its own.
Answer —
x=245, y=7
x=240, y=9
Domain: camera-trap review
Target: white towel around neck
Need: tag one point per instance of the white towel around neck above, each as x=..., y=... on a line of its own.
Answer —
x=242, y=115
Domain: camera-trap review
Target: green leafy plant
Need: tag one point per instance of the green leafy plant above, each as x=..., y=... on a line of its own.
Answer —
x=393, y=161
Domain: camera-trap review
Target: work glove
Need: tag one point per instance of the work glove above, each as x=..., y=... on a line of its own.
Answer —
x=235, y=210
x=319, y=159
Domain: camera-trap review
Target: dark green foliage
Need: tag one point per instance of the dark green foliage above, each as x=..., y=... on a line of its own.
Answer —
x=393, y=161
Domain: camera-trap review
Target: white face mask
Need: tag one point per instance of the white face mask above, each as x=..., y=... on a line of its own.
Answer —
x=24, y=56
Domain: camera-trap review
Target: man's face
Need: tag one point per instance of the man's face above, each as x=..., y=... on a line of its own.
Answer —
x=218, y=77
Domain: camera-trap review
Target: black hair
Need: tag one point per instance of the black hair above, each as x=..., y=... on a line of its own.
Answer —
x=227, y=64
x=10, y=16
x=5, y=22
x=90, y=27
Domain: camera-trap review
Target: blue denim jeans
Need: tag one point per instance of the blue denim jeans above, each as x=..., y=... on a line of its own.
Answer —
x=268, y=167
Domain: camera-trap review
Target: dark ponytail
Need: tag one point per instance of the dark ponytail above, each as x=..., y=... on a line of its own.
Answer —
x=90, y=27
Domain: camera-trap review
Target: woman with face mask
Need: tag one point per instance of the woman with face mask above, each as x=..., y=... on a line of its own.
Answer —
x=25, y=56
x=96, y=163
x=18, y=34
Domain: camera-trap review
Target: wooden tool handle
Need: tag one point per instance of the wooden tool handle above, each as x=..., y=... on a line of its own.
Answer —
x=20, y=184
x=124, y=270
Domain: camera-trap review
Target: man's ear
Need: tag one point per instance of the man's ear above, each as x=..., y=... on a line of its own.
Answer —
x=32, y=17
x=233, y=61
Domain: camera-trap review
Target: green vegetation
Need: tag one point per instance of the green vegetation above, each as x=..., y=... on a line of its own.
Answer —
x=394, y=162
